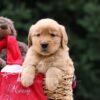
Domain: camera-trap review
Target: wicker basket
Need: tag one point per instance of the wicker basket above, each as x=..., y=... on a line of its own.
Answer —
x=63, y=92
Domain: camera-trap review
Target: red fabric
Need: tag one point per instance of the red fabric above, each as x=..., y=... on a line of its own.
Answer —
x=11, y=88
x=13, y=52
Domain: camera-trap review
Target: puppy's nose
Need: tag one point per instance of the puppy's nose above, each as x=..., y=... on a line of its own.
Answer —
x=44, y=45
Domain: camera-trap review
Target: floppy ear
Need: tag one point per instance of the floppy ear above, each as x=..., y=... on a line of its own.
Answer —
x=29, y=36
x=64, y=39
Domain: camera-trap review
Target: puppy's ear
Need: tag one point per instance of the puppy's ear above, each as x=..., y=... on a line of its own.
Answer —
x=64, y=38
x=29, y=36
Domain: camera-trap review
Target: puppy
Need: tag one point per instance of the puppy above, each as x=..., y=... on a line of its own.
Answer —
x=48, y=53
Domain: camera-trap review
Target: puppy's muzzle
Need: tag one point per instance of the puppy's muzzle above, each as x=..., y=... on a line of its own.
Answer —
x=44, y=45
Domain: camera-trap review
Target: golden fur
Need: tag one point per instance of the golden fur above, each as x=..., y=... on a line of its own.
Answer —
x=53, y=61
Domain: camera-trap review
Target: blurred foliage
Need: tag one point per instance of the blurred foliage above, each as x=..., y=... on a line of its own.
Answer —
x=82, y=21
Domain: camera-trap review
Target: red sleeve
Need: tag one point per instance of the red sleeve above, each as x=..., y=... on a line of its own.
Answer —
x=3, y=44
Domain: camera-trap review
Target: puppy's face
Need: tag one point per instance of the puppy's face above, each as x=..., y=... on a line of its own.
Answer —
x=46, y=37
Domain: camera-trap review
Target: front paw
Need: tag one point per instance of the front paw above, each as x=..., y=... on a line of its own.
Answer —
x=52, y=83
x=27, y=80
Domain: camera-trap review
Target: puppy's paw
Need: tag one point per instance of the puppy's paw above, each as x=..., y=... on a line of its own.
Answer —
x=52, y=83
x=27, y=80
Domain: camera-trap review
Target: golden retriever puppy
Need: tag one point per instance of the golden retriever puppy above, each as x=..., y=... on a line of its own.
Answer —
x=48, y=54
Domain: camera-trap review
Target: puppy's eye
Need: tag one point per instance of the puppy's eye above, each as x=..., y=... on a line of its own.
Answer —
x=38, y=34
x=52, y=34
